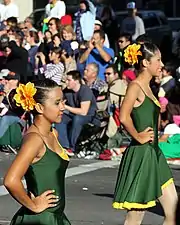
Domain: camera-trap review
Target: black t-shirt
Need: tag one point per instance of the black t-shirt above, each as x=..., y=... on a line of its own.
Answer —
x=84, y=94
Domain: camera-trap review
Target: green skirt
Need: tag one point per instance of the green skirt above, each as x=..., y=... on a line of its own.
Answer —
x=44, y=218
x=143, y=173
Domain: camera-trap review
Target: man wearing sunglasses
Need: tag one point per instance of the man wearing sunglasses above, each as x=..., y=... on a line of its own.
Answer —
x=124, y=40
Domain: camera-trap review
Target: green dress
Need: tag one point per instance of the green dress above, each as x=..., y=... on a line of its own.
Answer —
x=46, y=174
x=143, y=171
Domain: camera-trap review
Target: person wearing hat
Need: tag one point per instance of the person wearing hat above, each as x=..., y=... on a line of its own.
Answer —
x=98, y=26
x=133, y=24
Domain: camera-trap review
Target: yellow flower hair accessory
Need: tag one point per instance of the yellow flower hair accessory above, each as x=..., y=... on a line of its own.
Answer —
x=24, y=96
x=131, y=54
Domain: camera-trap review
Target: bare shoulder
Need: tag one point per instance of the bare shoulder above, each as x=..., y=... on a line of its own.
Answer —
x=134, y=87
x=32, y=142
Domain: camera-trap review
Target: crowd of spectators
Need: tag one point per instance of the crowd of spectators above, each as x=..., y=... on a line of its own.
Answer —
x=79, y=54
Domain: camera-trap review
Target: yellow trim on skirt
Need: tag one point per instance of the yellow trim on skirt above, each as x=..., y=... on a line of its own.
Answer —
x=132, y=205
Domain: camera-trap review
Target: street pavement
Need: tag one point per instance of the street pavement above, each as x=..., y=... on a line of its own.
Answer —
x=89, y=191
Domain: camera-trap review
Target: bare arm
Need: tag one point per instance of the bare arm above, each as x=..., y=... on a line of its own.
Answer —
x=163, y=138
x=83, y=111
x=25, y=157
x=85, y=55
x=103, y=53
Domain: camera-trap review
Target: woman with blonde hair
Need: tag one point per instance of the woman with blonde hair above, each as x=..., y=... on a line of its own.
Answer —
x=67, y=33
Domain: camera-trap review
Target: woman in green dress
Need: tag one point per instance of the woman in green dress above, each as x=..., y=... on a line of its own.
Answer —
x=144, y=175
x=41, y=159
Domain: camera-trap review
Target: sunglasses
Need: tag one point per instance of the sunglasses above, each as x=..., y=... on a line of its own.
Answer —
x=107, y=73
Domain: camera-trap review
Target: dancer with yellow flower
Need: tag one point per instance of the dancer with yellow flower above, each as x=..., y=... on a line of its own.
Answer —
x=41, y=159
x=144, y=175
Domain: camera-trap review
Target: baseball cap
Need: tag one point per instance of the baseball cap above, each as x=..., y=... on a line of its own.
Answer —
x=98, y=22
x=8, y=75
x=131, y=5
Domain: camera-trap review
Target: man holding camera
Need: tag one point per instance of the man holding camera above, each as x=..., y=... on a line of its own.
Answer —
x=98, y=53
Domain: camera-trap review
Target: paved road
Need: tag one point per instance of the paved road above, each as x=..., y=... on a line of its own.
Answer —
x=89, y=191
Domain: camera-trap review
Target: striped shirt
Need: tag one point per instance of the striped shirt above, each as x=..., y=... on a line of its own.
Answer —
x=54, y=72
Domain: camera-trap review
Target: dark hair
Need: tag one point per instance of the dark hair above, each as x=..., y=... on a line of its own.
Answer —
x=113, y=67
x=57, y=50
x=43, y=87
x=85, y=3
x=147, y=50
x=34, y=34
x=75, y=75
x=19, y=111
x=127, y=36
x=170, y=68
x=57, y=22
x=143, y=39
x=48, y=31
x=101, y=33
x=12, y=21
x=56, y=35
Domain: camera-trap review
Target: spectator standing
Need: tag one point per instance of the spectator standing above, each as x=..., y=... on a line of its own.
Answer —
x=98, y=53
x=124, y=40
x=55, y=8
x=10, y=9
x=33, y=40
x=133, y=24
x=80, y=108
x=85, y=19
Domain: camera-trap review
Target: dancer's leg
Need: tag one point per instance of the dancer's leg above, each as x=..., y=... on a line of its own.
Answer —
x=134, y=217
x=169, y=203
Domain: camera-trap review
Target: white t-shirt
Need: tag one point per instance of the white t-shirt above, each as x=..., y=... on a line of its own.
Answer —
x=9, y=11
x=57, y=11
x=172, y=129
x=133, y=26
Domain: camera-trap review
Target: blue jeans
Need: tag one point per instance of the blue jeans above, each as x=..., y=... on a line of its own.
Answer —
x=68, y=135
x=6, y=121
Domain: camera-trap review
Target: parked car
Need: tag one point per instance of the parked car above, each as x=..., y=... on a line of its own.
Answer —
x=174, y=23
x=39, y=14
x=157, y=28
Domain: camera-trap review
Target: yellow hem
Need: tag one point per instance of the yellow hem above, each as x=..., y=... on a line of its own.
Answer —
x=129, y=205
x=170, y=181
x=132, y=205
